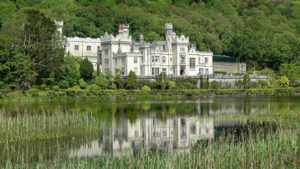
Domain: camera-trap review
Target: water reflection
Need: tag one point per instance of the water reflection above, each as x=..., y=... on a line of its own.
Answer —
x=175, y=125
x=124, y=138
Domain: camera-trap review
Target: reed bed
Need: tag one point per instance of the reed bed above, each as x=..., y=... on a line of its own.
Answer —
x=44, y=126
x=278, y=149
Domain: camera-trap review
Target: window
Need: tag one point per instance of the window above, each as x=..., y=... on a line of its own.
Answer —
x=201, y=71
x=192, y=63
x=171, y=70
x=199, y=60
x=164, y=70
x=106, y=70
x=163, y=59
x=164, y=48
x=106, y=51
x=164, y=133
x=182, y=59
x=206, y=71
x=136, y=133
x=135, y=60
x=153, y=71
x=206, y=60
x=106, y=62
x=156, y=71
x=153, y=59
x=88, y=48
x=98, y=47
x=182, y=49
x=156, y=58
x=136, y=70
x=76, y=47
x=170, y=59
x=123, y=60
x=193, y=128
x=116, y=60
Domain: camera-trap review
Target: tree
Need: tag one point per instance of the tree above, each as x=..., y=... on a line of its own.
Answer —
x=132, y=82
x=69, y=70
x=86, y=70
x=102, y=82
x=162, y=81
x=246, y=81
x=118, y=81
x=289, y=71
x=283, y=81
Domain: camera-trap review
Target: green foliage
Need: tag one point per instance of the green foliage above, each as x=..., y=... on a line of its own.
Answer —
x=94, y=89
x=220, y=72
x=162, y=81
x=146, y=88
x=171, y=84
x=86, y=70
x=102, y=82
x=215, y=85
x=186, y=83
x=69, y=70
x=119, y=81
x=289, y=71
x=283, y=81
x=82, y=84
x=63, y=84
x=263, y=83
x=55, y=88
x=131, y=82
x=238, y=73
x=204, y=83
x=246, y=81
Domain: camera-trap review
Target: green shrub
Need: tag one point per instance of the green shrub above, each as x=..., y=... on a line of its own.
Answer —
x=263, y=83
x=146, y=88
x=143, y=82
x=94, y=89
x=215, y=85
x=55, y=88
x=102, y=82
x=50, y=81
x=220, y=72
x=283, y=81
x=82, y=84
x=238, y=73
x=63, y=84
x=171, y=84
x=246, y=81
x=204, y=83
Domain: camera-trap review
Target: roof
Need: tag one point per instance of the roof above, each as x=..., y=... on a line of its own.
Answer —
x=223, y=58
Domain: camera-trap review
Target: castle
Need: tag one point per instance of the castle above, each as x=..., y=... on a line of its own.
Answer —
x=175, y=56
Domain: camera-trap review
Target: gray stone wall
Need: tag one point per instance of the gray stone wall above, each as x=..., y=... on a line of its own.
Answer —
x=230, y=67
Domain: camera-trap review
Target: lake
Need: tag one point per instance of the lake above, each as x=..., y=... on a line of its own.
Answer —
x=64, y=129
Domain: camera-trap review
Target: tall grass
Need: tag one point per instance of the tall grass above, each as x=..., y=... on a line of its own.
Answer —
x=44, y=126
x=279, y=149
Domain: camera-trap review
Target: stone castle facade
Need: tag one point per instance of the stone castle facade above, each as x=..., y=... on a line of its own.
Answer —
x=175, y=56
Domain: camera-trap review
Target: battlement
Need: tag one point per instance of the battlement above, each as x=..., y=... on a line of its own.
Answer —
x=169, y=26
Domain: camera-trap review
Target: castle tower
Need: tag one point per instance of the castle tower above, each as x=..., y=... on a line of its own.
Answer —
x=59, y=25
x=168, y=31
x=141, y=38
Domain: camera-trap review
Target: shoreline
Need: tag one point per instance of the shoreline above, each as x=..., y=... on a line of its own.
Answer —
x=144, y=95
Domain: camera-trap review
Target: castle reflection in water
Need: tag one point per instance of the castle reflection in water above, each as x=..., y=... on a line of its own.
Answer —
x=175, y=133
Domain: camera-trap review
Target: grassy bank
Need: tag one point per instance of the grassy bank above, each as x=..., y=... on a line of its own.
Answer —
x=142, y=94
x=278, y=149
